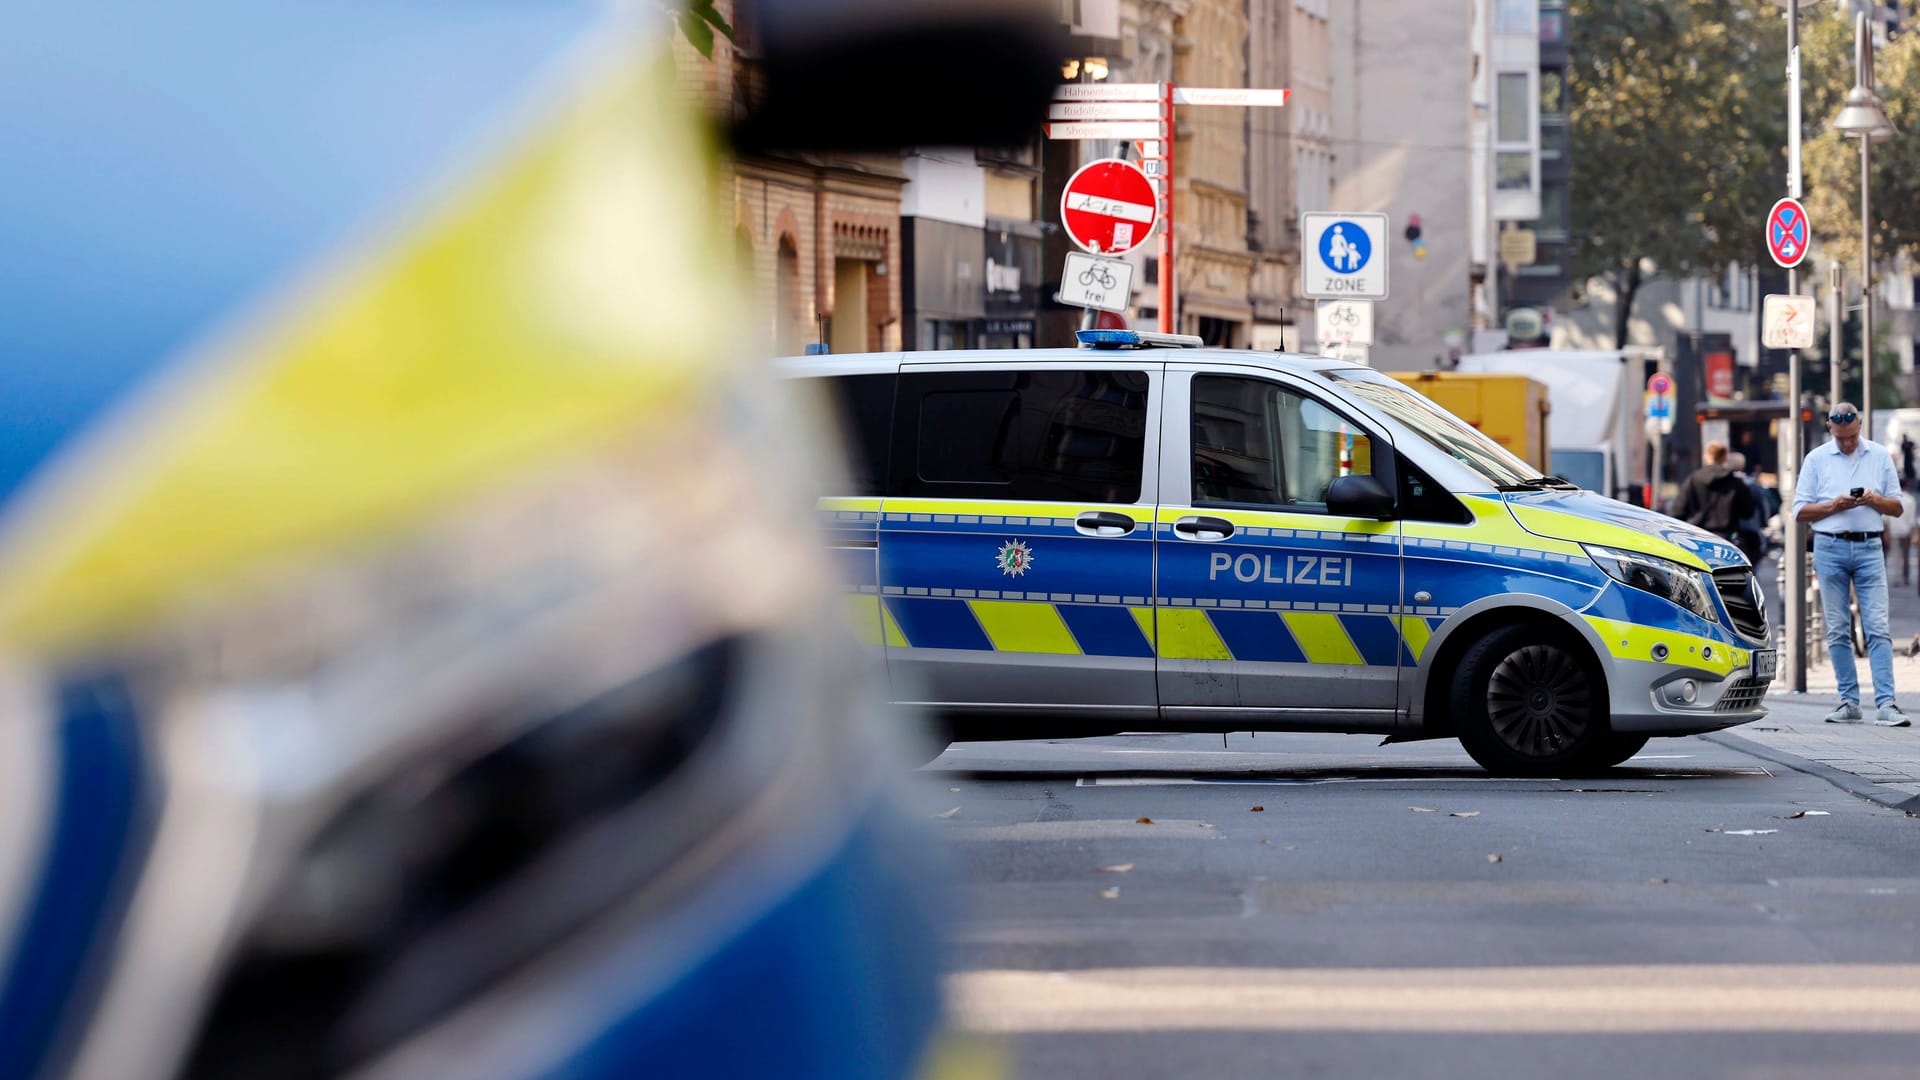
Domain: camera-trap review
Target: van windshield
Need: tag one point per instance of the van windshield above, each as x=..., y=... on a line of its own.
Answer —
x=1446, y=432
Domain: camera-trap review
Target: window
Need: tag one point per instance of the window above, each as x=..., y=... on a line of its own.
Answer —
x=1513, y=171
x=1553, y=27
x=1514, y=117
x=1063, y=436
x=1514, y=17
x=1444, y=431
x=1255, y=443
x=865, y=405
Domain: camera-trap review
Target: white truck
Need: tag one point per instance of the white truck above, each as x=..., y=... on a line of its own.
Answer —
x=1598, y=436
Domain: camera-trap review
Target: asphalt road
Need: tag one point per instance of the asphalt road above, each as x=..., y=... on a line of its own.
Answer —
x=1315, y=905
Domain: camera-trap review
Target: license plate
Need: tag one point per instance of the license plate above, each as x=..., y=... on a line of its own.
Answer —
x=1765, y=663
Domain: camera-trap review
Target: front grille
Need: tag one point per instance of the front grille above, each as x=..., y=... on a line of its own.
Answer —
x=1741, y=694
x=1740, y=592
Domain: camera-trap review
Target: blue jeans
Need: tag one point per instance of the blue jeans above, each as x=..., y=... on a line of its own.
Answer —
x=1861, y=564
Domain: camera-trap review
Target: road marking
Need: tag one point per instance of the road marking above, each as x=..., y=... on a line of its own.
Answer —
x=1277, y=781
x=1644, y=998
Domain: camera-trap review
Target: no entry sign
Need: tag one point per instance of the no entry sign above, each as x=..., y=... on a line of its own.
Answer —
x=1787, y=233
x=1108, y=207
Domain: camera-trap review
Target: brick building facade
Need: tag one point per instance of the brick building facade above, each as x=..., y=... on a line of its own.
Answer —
x=818, y=235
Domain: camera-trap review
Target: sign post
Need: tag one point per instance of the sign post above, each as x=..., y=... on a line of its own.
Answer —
x=1659, y=426
x=1143, y=113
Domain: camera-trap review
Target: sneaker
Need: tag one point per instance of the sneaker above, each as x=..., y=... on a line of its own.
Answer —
x=1891, y=716
x=1847, y=713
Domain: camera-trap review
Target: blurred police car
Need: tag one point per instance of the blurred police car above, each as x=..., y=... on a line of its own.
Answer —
x=408, y=666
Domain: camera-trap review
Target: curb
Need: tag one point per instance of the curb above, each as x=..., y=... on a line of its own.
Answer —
x=1840, y=778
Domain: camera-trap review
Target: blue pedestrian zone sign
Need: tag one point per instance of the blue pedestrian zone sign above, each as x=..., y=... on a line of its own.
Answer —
x=1341, y=265
x=1344, y=248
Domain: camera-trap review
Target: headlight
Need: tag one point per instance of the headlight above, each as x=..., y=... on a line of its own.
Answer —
x=1662, y=577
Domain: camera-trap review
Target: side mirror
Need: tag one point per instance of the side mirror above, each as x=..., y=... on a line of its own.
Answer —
x=1360, y=497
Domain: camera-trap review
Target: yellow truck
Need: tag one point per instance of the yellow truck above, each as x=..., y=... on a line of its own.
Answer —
x=1511, y=409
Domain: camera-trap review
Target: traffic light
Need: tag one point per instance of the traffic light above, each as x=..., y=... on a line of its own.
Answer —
x=1413, y=236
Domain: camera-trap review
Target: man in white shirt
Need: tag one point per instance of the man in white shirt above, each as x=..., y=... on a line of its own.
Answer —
x=1845, y=485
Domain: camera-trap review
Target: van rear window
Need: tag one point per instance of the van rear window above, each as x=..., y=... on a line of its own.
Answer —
x=1045, y=436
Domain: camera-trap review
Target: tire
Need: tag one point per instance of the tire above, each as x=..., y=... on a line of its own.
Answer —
x=1618, y=748
x=1530, y=703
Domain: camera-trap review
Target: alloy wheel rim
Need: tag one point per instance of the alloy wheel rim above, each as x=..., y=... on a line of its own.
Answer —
x=1539, y=700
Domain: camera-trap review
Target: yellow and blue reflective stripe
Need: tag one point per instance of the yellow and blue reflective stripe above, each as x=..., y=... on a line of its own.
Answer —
x=1133, y=630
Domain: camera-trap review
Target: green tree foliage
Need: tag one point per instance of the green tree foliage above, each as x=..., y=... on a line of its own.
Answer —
x=1832, y=160
x=1677, y=129
x=698, y=21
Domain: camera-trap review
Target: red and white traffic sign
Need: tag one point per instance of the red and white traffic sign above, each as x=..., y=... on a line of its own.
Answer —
x=1660, y=383
x=1787, y=233
x=1109, y=207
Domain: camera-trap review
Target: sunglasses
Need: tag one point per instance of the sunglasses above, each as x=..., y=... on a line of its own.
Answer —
x=1843, y=417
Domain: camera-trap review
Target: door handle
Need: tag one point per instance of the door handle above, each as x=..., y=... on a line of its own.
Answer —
x=1103, y=523
x=1202, y=527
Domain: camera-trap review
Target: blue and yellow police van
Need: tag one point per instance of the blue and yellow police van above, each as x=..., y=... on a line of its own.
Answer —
x=1150, y=535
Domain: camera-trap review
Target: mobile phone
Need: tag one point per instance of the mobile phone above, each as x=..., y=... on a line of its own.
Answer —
x=1858, y=492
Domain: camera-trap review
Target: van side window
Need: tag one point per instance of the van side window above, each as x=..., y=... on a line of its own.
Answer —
x=1058, y=436
x=1423, y=500
x=865, y=407
x=1255, y=443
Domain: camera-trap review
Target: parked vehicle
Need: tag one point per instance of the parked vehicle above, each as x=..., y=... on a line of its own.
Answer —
x=1148, y=535
x=1512, y=410
x=1598, y=439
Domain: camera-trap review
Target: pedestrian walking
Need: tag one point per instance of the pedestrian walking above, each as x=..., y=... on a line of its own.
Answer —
x=1713, y=497
x=1845, y=485
x=1752, y=529
x=1899, y=533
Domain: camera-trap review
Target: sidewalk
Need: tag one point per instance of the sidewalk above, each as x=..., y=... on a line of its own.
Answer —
x=1881, y=764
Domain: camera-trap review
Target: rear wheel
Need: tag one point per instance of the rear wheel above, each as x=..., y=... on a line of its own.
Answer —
x=1530, y=703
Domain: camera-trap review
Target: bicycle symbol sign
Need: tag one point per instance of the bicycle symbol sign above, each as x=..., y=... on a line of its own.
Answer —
x=1089, y=281
x=1344, y=322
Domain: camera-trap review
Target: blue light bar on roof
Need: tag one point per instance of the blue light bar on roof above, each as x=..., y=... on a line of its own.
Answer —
x=1137, y=339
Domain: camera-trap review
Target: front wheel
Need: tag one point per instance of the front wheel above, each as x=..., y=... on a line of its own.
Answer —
x=1617, y=749
x=1530, y=703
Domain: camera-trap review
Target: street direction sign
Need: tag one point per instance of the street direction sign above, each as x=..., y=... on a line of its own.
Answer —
x=1787, y=233
x=1109, y=91
x=1343, y=256
x=1104, y=110
x=1109, y=207
x=1229, y=95
x=1786, y=321
x=1344, y=322
x=1107, y=129
x=1093, y=282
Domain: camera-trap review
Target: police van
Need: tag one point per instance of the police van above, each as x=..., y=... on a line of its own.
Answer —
x=1150, y=535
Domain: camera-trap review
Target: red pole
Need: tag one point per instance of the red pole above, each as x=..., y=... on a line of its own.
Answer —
x=1166, y=231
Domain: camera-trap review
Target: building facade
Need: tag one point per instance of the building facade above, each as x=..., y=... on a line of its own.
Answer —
x=818, y=236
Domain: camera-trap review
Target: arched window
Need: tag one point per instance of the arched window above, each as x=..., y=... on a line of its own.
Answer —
x=789, y=331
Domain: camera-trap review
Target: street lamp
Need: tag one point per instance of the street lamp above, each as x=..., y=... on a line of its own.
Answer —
x=1863, y=118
